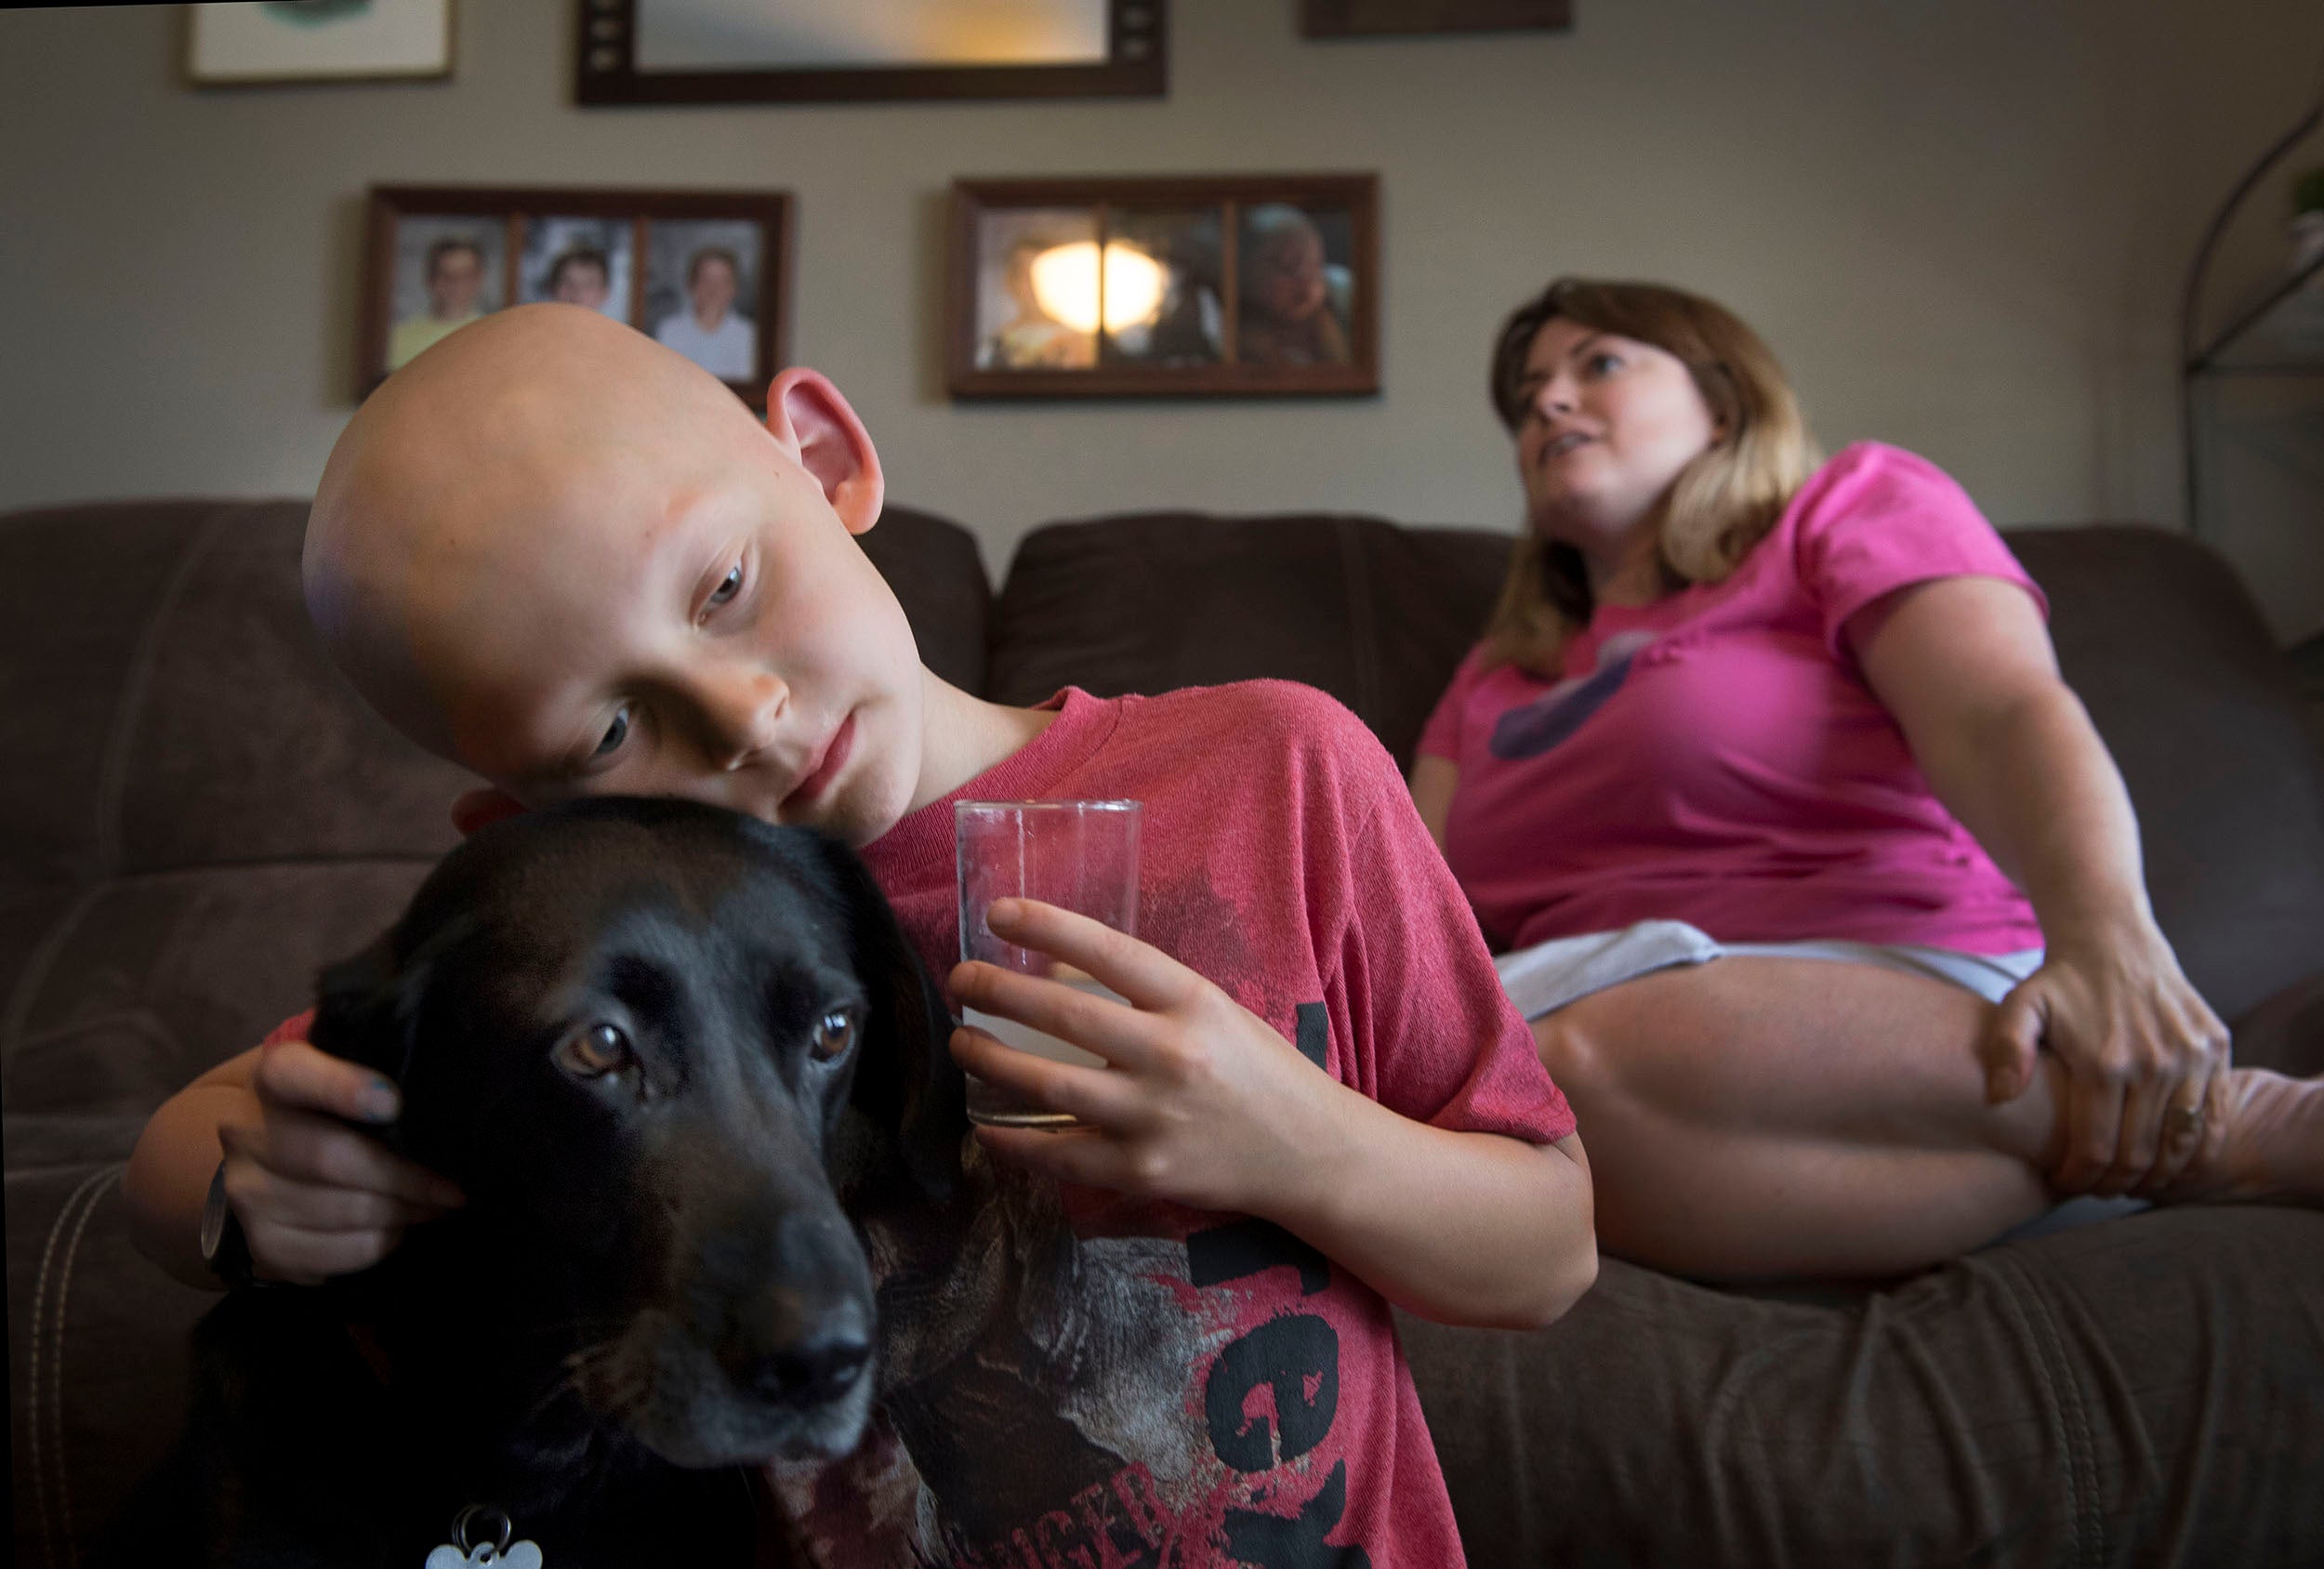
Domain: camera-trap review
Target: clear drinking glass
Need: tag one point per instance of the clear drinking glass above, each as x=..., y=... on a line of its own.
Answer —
x=1077, y=855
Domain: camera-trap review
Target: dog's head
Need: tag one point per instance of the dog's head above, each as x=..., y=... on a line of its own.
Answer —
x=631, y=1030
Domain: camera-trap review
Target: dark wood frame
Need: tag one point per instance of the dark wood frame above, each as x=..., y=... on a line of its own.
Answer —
x=606, y=69
x=1358, y=194
x=1364, y=18
x=514, y=204
x=330, y=78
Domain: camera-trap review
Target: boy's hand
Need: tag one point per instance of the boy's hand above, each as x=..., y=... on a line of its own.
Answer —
x=315, y=1197
x=1204, y=1104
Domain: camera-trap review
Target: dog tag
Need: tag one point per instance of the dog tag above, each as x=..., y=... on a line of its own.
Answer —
x=500, y=1551
x=521, y=1555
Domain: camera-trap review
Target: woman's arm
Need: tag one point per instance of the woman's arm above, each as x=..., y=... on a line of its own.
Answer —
x=1432, y=783
x=1966, y=667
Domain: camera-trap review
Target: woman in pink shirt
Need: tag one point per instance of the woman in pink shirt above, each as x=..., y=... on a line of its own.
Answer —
x=1805, y=720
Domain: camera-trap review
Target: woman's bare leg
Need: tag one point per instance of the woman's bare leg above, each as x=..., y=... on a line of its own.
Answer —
x=1737, y=1130
x=1762, y=1117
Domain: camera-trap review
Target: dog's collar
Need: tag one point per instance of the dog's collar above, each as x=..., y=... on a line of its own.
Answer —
x=481, y=1535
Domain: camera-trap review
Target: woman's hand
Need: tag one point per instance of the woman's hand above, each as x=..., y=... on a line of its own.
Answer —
x=1202, y=1101
x=2145, y=1060
x=316, y=1196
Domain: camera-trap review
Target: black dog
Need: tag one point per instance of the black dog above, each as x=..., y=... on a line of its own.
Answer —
x=652, y=1042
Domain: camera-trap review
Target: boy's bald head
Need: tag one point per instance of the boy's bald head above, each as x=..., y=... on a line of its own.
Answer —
x=458, y=469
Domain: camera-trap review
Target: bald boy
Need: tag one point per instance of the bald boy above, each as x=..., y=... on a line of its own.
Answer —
x=566, y=558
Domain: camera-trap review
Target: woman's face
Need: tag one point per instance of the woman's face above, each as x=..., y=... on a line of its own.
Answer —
x=1606, y=424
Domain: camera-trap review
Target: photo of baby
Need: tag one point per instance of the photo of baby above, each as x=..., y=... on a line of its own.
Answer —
x=1296, y=286
x=1036, y=298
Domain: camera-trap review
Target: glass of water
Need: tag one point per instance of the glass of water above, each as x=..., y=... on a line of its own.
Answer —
x=1077, y=855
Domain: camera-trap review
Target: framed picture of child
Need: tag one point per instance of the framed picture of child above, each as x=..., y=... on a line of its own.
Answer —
x=448, y=272
x=701, y=289
x=579, y=261
x=704, y=272
x=1179, y=285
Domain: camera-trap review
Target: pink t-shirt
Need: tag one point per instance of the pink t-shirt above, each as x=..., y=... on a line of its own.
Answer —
x=1717, y=757
x=1281, y=858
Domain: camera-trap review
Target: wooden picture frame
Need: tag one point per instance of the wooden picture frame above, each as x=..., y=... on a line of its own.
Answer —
x=253, y=45
x=705, y=271
x=1368, y=19
x=1187, y=285
x=621, y=46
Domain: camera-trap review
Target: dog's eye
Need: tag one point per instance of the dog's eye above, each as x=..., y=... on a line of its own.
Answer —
x=835, y=1032
x=595, y=1051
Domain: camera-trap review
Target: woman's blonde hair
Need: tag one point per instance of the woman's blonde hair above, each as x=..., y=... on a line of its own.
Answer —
x=1723, y=502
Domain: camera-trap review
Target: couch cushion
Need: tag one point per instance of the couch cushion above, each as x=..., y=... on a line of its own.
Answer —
x=1373, y=613
x=2167, y=650
x=2142, y=1391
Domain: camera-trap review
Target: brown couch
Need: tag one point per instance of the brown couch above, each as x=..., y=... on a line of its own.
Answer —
x=199, y=812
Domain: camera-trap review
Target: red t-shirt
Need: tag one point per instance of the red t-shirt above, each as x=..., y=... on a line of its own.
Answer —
x=1717, y=757
x=1221, y=1392
x=1281, y=858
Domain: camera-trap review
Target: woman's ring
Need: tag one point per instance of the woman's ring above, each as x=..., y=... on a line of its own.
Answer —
x=2186, y=1121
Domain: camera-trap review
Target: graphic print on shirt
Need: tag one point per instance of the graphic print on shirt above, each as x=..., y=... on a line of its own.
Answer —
x=1085, y=1381
x=1535, y=726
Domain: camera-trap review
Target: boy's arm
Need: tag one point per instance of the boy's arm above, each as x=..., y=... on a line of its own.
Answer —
x=1206, y=1104
x=315, y=1197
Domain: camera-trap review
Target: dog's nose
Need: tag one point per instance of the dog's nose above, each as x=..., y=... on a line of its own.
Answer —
x=820, y=1367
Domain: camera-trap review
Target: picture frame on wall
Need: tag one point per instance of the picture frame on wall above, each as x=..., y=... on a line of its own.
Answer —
x=1182, y=285
x=704, y=272
x=777, y=51
x=260, y=42
x=1366, y=18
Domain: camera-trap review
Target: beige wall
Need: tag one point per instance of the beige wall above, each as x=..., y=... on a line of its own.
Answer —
x=1963, y=224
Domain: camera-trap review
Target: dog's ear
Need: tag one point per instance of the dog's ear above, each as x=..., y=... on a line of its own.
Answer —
x=366, y=1011
x=907, y=1080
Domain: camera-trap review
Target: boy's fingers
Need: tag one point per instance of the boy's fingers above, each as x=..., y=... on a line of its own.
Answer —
x=298, y=1205
x=305, y=1258
x=1098, y=1096
x=299, y=1147
x=1143, y=973
x=1077, y=1155
x=292, y=1073
x=1095, y=1024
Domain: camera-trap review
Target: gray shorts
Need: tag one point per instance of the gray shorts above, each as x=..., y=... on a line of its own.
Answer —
x=1547, y=976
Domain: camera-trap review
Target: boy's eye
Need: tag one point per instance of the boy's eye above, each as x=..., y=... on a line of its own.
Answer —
x=728, y=586
x=616, y=734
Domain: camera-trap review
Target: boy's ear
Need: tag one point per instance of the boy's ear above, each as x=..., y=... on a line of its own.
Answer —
x=813, y=421
x=477, y=809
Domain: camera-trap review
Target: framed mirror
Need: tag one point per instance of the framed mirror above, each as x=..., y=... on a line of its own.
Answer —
x=772, y=51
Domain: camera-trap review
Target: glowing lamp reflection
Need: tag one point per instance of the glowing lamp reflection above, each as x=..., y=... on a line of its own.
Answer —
x=1065, y=281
